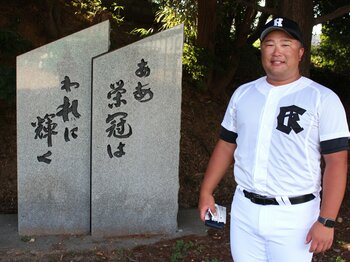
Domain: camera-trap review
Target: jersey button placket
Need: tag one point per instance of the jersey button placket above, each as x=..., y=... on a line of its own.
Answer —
x=267, y=121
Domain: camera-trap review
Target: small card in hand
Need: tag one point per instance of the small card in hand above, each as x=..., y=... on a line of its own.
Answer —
x=217, y=221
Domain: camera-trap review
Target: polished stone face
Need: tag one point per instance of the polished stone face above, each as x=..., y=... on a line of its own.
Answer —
x=136, y=136
x=54, y=133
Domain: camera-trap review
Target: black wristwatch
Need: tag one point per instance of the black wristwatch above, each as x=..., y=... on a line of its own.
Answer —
x=327, y=222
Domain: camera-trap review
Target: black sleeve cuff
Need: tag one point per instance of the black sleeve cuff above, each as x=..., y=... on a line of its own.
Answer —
x=334, y=145
x=228, y=136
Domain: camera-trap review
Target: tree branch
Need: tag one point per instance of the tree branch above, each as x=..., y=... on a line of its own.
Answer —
x=335, y=14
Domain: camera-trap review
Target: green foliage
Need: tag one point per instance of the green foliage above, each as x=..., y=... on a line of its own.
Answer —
x=90, y=8
x=340, y=259
x=142, y=31
x=333, y=53
x=180, y=250
x=116, y=12
x=121, y=254
x=26, y=238
x=172, y=13
x=195, y=61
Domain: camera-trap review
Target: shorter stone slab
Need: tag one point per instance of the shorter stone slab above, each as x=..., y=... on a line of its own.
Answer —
x=54, y=134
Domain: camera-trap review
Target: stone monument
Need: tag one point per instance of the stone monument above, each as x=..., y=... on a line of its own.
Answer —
x=136, y=113
x=54, y=133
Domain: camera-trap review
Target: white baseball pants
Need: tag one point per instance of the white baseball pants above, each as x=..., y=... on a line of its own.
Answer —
x=273, y=233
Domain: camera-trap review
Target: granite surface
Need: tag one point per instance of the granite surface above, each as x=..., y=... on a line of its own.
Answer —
x=136, y=136
x=54, y=133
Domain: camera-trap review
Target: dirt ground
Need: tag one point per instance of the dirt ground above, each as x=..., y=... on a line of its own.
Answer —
x=201, y=117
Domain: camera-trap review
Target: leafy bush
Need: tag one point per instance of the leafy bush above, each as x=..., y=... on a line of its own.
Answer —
x=333, y=53
x=181, y=250
x=90, y=8
x=196, y=61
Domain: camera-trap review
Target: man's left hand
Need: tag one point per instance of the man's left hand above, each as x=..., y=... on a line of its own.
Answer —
x=321, y=238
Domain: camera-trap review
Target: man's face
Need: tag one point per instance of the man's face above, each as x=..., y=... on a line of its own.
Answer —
x=280, y=56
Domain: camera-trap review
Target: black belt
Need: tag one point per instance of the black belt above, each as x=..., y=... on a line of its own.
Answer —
x=263, y=200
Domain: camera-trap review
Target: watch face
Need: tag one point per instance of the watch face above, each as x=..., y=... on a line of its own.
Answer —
x=329, y=223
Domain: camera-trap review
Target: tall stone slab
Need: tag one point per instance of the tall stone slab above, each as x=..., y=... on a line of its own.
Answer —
x=54, y=133
x=136, y=136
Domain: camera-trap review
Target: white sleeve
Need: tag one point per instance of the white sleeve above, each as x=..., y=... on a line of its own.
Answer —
x=229, y=121
x=333, y=123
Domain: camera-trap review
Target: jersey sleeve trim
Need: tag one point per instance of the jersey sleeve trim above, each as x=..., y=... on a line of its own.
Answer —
x=334, y=145
x=228, y=136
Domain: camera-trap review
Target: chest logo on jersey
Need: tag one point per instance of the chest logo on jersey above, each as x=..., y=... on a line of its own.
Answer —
x=288, y=119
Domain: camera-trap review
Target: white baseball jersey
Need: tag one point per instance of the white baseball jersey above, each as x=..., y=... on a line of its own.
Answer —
x=280, y=130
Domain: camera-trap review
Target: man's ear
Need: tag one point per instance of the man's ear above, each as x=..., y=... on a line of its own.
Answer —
x=301, y=53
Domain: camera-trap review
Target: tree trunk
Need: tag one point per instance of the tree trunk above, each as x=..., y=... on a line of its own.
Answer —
x=54, y=19
x=206, y=32
x=301, y=11
x=206, y=24
x=220, y=81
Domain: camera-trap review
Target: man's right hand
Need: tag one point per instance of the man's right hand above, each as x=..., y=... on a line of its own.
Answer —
x=219, y=161
x=206, y=201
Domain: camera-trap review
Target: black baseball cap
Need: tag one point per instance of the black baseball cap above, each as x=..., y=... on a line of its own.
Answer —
x=283, y=24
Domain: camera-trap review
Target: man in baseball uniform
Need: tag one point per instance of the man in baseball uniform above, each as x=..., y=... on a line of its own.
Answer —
x=276, y=129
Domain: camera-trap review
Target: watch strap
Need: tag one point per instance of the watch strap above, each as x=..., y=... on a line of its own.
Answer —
x=327, y=222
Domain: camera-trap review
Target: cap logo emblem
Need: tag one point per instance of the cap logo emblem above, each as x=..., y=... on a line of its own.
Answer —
x=278, y=22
